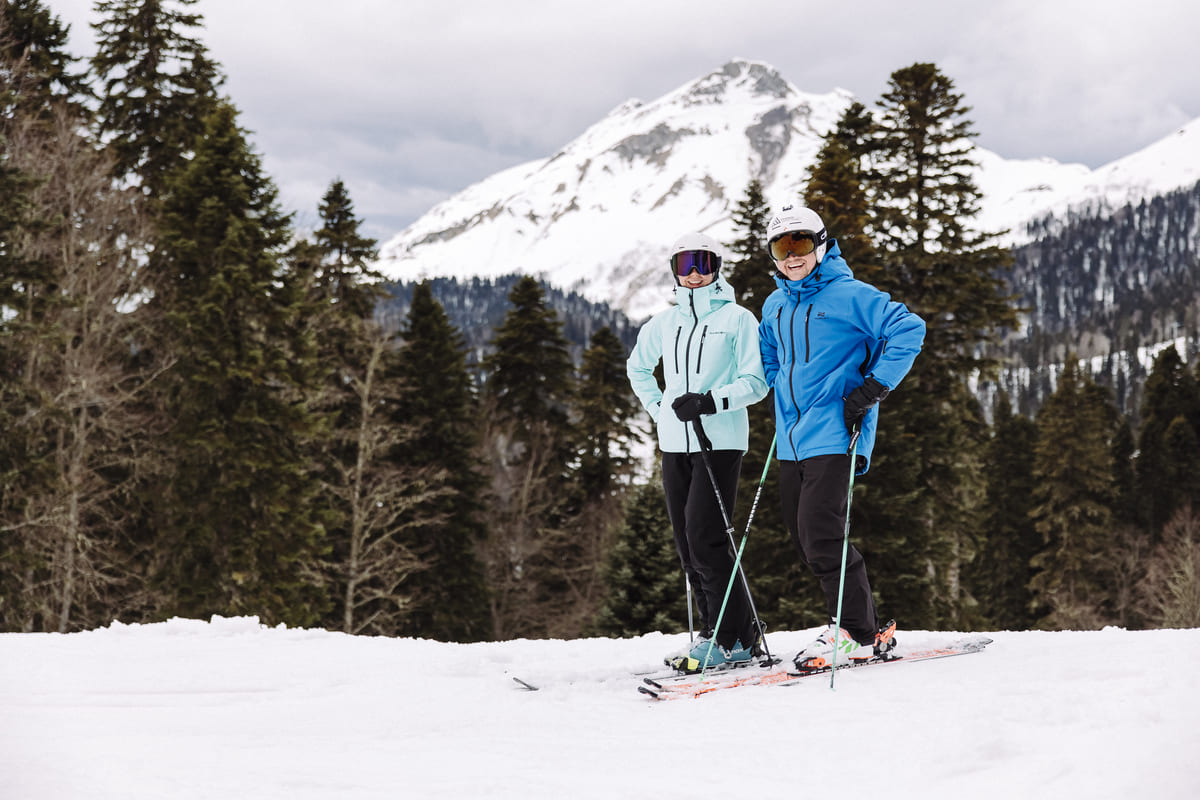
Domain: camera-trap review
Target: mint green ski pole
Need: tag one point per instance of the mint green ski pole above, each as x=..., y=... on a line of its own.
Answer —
x=837, y=624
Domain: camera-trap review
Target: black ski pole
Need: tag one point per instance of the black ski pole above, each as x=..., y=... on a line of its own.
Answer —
x=705, y=447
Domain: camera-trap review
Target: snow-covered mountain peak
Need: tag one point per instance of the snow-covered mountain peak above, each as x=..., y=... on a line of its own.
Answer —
x=599, y=215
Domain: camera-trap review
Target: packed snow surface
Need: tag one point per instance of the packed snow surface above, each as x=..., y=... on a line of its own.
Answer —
x=233, y=709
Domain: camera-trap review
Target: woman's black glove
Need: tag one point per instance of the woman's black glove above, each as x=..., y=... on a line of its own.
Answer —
x=859, y=402
x=691, y=405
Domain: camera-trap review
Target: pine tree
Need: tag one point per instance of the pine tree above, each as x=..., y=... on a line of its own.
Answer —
x=751, y=271
x=1125, y=506
x=371, y=498
x=530, y=370
x=999, y=577
x=837, y=188
x=69, y=267
x=346, y=274
x=235, y=510
x=920, y=515
x=645, y=586
x=450, y=599
x=1073, y=504
x=604, y=413
x=605, y=409
x=1165, y=468
x=159, y=85
x=534, y=565
x=35, y=65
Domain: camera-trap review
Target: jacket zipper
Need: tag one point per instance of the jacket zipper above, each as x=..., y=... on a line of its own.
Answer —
x=791, y=376
x=687, y=360
x=678, y=333
x=807, y=350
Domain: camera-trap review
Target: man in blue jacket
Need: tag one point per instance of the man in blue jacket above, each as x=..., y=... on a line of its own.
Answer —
x=832, y=348
x=712, y=370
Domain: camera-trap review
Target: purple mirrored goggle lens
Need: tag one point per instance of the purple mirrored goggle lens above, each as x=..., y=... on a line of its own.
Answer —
x=702, y=261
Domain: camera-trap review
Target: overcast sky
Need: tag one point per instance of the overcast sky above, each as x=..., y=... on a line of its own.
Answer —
x=409, y=101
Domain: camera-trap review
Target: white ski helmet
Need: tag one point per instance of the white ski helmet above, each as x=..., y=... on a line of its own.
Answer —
x=696, y=242
x=793, y=218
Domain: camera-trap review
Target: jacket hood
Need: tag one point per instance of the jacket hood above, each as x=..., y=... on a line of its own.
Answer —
x=832, y=267
x=706, y=298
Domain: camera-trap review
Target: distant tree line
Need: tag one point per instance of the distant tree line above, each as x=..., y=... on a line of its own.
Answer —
x=1109, y=286
x=204, y=412
x=477, y=307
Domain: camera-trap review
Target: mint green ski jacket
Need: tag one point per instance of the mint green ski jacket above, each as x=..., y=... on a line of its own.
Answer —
x=707, y=342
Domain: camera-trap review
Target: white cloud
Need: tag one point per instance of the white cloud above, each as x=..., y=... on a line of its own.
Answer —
x=422, y=98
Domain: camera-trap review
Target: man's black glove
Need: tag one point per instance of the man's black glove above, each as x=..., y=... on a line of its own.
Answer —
x=859, y=402
x=690, y=406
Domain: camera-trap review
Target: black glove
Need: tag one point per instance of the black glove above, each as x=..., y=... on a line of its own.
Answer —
x=691, y=405
x=859, y=402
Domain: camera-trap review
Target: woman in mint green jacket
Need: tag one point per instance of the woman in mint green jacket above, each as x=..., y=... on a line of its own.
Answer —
x=712, y=369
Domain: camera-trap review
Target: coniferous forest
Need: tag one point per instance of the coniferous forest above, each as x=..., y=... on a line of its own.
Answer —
x=205, y=411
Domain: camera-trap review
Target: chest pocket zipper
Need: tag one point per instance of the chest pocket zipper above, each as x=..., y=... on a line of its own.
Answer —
x=678, y=333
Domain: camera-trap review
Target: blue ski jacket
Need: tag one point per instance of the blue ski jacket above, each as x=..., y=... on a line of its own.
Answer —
x=707, y=343
x=821, y=337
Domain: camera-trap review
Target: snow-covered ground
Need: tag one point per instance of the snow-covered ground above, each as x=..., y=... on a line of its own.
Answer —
x=232, y=709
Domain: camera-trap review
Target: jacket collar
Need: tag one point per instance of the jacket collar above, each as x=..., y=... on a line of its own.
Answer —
x=832, y=267
x=705, y=299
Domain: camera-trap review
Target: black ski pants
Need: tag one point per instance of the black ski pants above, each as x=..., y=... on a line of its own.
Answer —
x=813, y=492
x=703, y=543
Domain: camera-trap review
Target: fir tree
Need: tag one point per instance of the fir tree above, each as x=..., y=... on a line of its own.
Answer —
x=35, y=65
x=1073, y=504
x=604, y=411
x=920, y=518
x=535, y=566
x=1165, y=468
x=751, y=271
x=346, y=275
x=371, y=498
x=837, y=188
x=999, y=577
x=529, y=371
x=645, y=585
x=450, y=599
x=159, y=85
x=1125, y=506
x=69, y=253
x=605, y=408
x=236, y=511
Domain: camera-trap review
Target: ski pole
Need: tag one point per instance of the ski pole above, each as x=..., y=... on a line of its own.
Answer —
x=687, y=583
x=837, y=623
x=754, y=507
x=705, y=446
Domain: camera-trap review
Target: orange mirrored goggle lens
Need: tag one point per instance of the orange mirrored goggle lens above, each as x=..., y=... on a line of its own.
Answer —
x=796, y=244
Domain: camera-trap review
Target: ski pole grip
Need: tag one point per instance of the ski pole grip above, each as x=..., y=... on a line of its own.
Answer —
x=705, y=442
x=853, y=438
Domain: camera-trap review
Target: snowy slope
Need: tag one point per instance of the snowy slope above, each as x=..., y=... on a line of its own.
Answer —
x=599, y=215
x=230, y=709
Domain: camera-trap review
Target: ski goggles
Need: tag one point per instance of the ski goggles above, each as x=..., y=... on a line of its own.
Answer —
x=798, y=243
x=703, y=261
